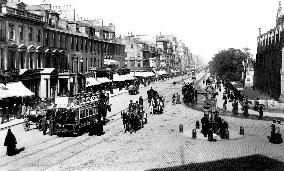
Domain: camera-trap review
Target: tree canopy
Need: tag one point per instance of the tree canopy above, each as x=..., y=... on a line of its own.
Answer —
x=228, y=63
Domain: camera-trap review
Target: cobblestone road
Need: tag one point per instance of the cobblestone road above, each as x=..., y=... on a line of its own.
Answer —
x=158, y=145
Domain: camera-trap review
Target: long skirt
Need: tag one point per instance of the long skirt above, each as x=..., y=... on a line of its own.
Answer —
x=11, y=150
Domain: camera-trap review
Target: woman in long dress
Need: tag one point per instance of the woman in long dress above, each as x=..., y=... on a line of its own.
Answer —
x=10, y=143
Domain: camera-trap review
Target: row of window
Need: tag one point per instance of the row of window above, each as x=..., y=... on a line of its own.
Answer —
x=77, y=43
x=21, y=30
x=54, y=39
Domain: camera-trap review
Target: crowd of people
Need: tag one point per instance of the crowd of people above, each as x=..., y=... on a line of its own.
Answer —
x=212, y=124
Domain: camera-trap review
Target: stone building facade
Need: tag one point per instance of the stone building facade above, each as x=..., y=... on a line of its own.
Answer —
x=269, y=68
x=134, y=52
x=53, y=56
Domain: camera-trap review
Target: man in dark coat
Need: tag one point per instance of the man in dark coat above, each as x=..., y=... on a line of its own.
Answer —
x=141, y=101
x=260, y=110
x=10, y=143
x=205, y=125
x=51, y=125
x=44, y=125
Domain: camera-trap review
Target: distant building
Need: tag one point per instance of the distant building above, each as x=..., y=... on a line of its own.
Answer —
x=134, y=52
x=249, y=76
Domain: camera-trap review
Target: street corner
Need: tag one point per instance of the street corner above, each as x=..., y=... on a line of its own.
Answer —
x=189, y=133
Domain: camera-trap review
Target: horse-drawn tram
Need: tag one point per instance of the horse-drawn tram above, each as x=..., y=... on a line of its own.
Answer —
x=73, y=115
x=77, y=119
x=82, y=116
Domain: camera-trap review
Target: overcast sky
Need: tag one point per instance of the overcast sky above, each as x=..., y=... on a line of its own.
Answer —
x=205, y=26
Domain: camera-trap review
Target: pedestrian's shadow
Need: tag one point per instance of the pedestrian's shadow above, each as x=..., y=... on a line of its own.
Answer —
x=19, y=150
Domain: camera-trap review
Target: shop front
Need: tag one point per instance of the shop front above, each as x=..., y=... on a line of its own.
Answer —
x=48, y=83
x=66, y=84
x=12, y=92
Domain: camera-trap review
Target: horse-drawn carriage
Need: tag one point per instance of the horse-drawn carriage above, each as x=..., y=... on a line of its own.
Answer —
x=33, y=118
x=188, y=93
x=132, y=89
x=133, y=118
x=156, y=102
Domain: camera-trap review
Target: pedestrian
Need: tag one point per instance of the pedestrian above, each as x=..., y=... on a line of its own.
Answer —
x=151, y=106
x=225, y=104
x=141, y=101
x=44, y=125
x=174, y=99
x=256, y=105
x=260, y=110
x=10, y=143
x=51, y=125
x=245, y=108
x=205, y=125
x=275, y=137
x=24, y=111
x=178, y=98
x=235, y=107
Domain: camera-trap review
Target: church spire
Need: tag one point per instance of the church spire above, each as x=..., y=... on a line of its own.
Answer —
x=279, y=14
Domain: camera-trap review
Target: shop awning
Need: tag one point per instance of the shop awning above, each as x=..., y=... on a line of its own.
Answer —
x=47, y=70
x=18, y=89
x=142, y=74
x=110, y=62
x=103, y=80
x=117, y=77
x=127, y=77
x=91, y=82
x=22, y=71
x=5, y=92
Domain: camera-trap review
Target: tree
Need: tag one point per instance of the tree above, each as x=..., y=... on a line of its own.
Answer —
x=228, y=64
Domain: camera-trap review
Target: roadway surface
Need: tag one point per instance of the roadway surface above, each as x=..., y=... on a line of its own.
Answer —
x=159, y=145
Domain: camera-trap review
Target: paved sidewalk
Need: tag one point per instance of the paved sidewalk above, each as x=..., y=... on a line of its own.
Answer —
x=229, y=106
